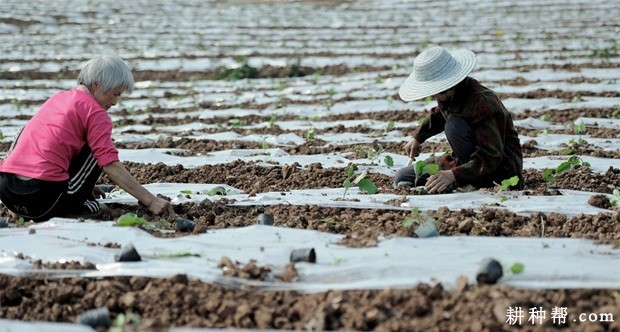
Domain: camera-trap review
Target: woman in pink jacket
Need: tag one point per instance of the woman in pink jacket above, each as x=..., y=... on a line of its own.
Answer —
x=53, y=166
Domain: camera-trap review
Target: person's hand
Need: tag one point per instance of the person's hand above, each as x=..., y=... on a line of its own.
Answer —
x=412, y=148
x=98, y=193
x=440, y=181
x=160, y=206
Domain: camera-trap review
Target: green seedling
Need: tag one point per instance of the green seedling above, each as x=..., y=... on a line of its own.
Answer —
x=390, y=126
x=1, y=135
x=365, y=185
x=17, y=104
x=545, y=117
x=272, y=120
x=549, y=175
x=21, y=221
x=580, y=128
x=506, y=183
x=219, y=190
x=338, y=261
x=264, y=144
x=130, y=219
x=237, y=73
x=373, y=154
x=515, y=268
x=181, y=254
x=615, y=197
x=417, y=217
x=235, y=122
x=420, y=168
x=310, y=134
x=186, y=192
x=123, y=319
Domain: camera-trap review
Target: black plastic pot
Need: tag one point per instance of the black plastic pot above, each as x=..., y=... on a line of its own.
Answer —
x=95, y=318
x=490, y=271
x=4, y=222
x=128, y=254
x=219, y=190
x=264, y=219
x=184, y=225
x=303, y=255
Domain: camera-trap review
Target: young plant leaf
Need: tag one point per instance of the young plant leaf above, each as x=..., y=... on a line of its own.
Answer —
x=367, y=186
x=563, y=167
x=389, y=161
x=430, y=169
x=408, y=222
x=517, y=268
x=360, y=177
x=346, y=183
x=130, y=219
x=513, y=181
x=548, y=175
x=351, y=170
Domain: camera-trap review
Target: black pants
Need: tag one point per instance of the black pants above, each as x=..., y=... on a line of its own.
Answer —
x=462, y=141
x=40, y=200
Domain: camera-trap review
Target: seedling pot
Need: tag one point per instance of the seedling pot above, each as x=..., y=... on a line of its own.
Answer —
x=129, y=254
x=95, y=318
x=490, y=271
x=264, y=219
x=184, y=225
x=4, y=222
x=303, y=255
x=427, y=229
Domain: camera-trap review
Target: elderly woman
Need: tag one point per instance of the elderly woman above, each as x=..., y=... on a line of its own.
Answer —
x=485, y=145
x=53, y=166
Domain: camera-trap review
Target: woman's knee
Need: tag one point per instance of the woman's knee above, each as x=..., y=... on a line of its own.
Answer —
x=457, y=129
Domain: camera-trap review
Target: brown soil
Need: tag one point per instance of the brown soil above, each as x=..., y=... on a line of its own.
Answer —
x=179, y=302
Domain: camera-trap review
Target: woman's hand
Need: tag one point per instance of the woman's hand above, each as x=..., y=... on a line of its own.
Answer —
x=412, y=148
x=160, y=206
x=440, y=181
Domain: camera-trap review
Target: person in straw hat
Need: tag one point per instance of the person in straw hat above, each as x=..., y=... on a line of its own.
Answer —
x=485, y=145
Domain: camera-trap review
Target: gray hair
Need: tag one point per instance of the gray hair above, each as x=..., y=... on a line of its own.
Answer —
x=109, y=71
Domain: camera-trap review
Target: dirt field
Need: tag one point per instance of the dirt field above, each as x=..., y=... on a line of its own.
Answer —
x=273, y=100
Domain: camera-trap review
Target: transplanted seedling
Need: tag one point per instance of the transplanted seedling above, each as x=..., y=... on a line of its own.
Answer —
x=425, y=223
x=130, y=219
x=420, y=168
x=373, y=154
x=615, y=197
x=506, y=183
x=550, y=174
x=123, y=320
x=365, y=185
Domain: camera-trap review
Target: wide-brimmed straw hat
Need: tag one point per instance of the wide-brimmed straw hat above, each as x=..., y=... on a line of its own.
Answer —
x=436, y=70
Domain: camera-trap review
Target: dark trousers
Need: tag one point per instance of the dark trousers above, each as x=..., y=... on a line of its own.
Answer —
x=463, y=143
x=40, y=200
